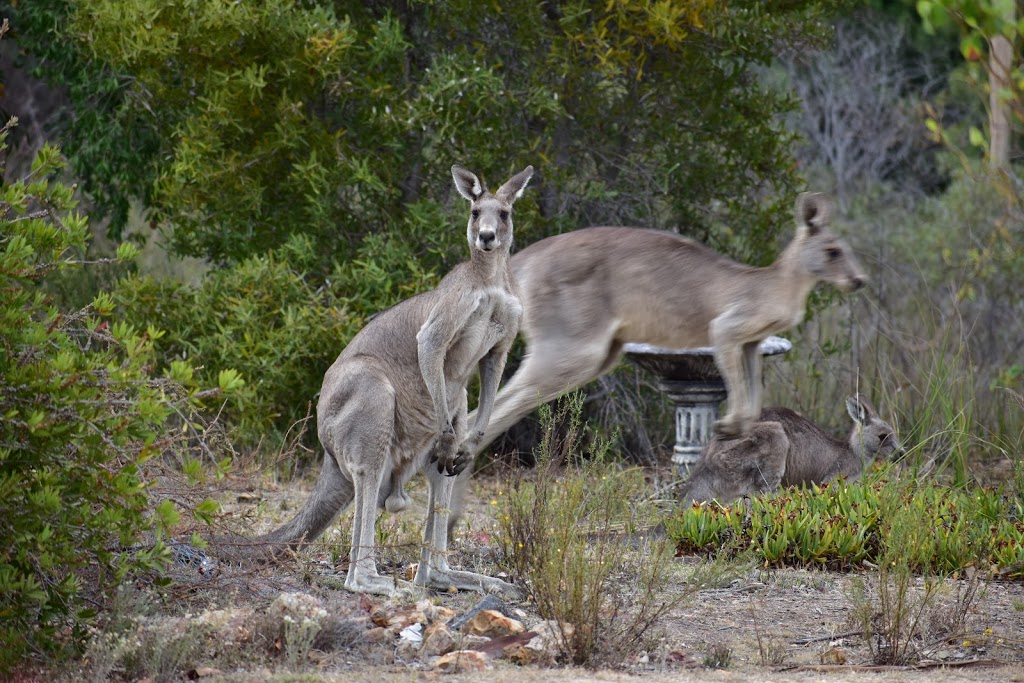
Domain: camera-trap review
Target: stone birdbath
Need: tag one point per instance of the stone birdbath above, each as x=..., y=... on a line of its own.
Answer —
x=692, y=382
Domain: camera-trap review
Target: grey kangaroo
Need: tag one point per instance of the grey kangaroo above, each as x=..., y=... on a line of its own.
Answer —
x=587, y=293
x=786, y=449
x=396, y=398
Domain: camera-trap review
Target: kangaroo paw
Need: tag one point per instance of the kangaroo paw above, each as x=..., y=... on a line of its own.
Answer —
x=443, y=450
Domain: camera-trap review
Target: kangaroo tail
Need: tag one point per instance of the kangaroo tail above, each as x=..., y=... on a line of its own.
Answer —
x=333, y=493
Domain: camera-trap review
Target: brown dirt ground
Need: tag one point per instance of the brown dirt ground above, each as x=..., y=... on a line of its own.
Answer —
x=782, y=606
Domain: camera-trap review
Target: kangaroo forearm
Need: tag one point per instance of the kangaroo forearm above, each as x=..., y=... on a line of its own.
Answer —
x=433, y=376
x=491, y=368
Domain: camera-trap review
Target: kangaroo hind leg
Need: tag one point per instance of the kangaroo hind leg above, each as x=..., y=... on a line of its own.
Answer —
x=433, y=571
x=362, y=433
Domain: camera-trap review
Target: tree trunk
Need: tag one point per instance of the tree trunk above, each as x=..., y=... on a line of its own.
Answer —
x=1000, y=68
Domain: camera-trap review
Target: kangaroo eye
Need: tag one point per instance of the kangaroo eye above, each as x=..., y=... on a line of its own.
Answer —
x=833, y=253
x=504, y=216
x=475, y=213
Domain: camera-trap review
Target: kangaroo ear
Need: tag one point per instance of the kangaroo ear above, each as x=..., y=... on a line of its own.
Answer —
x=857, y=410
x=466, y=182
x=813, y=212
x=513, y=189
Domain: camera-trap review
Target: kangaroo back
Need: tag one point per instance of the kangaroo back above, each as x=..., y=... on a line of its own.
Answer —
x=784, y=448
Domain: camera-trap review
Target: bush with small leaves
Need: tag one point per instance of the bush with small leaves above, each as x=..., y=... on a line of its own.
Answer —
x=81, y=414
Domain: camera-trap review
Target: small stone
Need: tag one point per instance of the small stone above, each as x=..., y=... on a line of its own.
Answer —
x=379, y=635
x=298, y=606
x=437, y=640
x=490, y=602
x=228, y=625
x=492, y=624
x=434, y=612
x=405, y=618
x=462, y=661
x=407, y=651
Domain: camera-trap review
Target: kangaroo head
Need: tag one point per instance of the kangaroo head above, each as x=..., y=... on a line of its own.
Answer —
x=490, y=215
x=872, y=437
x=821, y=252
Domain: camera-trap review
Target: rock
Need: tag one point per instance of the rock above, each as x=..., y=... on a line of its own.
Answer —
x=407, y=650
x=298, y=606
x=509, y=647
x=552, y=636
x=228, y=625
x=461, y=661
x=434, y=612
x=437, y=640
x=379, y=635
x=490, y=602
x=833, y=655
x=396, y=622
x=492, y=624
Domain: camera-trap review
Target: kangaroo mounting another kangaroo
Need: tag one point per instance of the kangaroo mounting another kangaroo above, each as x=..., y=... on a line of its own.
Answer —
x=396, y=398
x=786, y=449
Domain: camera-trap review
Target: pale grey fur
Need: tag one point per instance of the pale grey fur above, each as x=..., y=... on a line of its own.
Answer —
x=786, y=449
x=396, y=398
x=589, y=292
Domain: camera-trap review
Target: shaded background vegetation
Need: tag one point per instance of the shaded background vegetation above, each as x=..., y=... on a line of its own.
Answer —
x=283, y=167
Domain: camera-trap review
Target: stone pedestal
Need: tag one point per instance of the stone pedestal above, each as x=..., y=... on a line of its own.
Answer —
x=690, y=378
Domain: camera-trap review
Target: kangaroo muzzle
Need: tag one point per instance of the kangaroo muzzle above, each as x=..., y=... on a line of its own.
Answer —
x=487, y=240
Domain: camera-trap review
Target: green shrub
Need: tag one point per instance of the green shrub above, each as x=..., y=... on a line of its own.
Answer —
x=934, y=528
x=260, y=317
x=565, y=534
x=81, y=414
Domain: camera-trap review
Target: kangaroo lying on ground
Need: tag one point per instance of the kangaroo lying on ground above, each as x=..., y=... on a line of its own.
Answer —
x=587, y=293
x=786, y=449
x=396, y=396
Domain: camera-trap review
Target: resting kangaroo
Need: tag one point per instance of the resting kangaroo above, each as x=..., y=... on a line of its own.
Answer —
x=396, y=396
x=588, y=292
x=787, y=449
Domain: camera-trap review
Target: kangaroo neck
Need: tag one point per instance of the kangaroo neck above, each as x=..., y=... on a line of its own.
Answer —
x=792, y=274
x=488, y=265
x=858, y=462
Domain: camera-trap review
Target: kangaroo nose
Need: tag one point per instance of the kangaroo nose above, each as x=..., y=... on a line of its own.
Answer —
x=856, y=283
x=487, y=238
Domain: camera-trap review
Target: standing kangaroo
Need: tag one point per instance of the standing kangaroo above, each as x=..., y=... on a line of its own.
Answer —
x=787, y=449
x=587, y=293
x=396, y=397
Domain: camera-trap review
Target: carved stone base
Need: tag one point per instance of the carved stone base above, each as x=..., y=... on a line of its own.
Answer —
x=696, y=411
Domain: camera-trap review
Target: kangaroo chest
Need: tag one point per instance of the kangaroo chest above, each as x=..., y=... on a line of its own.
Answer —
x=494, y=318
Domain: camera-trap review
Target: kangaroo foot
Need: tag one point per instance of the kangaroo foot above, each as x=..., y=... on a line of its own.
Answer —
x=381, y=585
x=446, y=579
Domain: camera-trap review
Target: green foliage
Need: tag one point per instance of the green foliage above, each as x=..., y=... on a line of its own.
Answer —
x=81, y=414
x=933, y=528
x=332, y=120
x=259, y=330
x=264, y=124
x=109, y=140
x=563, y=533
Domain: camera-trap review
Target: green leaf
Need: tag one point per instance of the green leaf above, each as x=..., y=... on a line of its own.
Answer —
x=229, y=381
